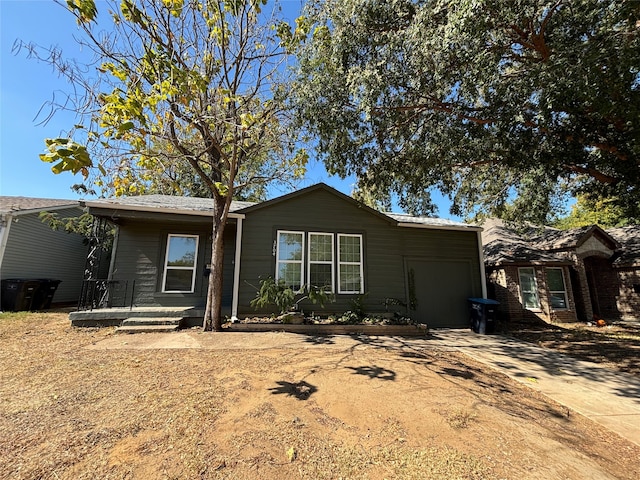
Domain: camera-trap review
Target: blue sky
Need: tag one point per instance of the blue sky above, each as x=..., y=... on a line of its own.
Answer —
x=27, y=85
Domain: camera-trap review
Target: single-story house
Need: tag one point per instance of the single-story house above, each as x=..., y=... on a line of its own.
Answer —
x=30, y=249
x=314, y=236
x=563, y=275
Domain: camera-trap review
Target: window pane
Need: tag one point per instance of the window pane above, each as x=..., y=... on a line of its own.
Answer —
x=558, y=300
x=555, y=280
x=290, y=246
x=179, y=280
x=291, y=273
x=350, y=278
x=320, y=275
x=527, y=280
x=530, y=300
x=182, y=252
x=349, y=249
x=528, y=288
x=320, y=248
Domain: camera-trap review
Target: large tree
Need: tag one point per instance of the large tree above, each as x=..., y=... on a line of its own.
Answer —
x=504, y=106
x=189, y=88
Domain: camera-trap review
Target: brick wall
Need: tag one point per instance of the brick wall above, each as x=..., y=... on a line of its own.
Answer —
x=628, y=300
x=504, y=286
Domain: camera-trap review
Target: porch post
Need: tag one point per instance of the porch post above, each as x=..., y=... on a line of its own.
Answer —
x=236, y=270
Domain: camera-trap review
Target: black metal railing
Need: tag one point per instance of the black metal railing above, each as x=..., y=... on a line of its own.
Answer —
x=106, y=294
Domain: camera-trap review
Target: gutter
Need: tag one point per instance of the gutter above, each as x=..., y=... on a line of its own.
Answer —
x=460, y=228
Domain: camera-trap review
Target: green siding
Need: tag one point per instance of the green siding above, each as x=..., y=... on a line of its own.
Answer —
x=386, y=248
x=140, y=256
x=35, y=251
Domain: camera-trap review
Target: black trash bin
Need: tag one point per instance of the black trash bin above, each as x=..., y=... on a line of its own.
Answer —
x=44, y=295
x=483, y=314
x=18, y=295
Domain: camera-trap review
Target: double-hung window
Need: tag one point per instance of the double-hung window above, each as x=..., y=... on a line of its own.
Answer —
x=320, y=272
x=330, y=261
x=557, y=289
x=290, y=258
x=528, y=288
x=350, y=271
x=180, y=264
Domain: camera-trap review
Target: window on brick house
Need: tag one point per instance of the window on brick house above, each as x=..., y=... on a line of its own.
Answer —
x=557, y=288
x=528, y=288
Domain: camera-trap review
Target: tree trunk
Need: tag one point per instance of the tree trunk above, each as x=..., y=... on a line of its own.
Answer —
x=213, y=312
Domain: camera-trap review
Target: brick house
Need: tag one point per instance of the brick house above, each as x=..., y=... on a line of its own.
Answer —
x=563, y=275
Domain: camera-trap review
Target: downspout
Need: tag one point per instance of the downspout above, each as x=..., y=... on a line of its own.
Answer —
x=483, y=275
x=4, y=234
x=236, y=271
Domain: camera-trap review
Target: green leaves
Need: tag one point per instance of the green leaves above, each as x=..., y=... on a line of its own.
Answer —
x=486, y=101
x=84, y=10
x=70, y=156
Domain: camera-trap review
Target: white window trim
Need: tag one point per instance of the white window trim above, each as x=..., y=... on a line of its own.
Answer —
x=535, y=282
x=564, y=292
x=360, y=263
x=167, y=267
x=301, y=261
x=322, y=262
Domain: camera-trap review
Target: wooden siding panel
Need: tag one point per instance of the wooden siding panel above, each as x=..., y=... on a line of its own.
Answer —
x=140, y=257
x=34, y=250
x=385, y=248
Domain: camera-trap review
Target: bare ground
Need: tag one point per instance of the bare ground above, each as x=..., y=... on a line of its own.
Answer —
x=68, y=411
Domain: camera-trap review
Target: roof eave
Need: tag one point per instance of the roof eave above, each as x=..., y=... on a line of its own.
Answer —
x=142, y=208
x=15, y=213
x=470, y=228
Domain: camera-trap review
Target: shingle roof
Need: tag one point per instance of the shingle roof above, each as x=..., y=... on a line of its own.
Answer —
x=163, y=203
x=23, y=204
x=629, y=238
x=504, y=245
x=430, y=221
x=200, y=206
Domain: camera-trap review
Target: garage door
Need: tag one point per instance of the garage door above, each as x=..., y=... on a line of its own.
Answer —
x=441, y=290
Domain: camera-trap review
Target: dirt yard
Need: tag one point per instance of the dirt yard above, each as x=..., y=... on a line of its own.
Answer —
x=330, y=410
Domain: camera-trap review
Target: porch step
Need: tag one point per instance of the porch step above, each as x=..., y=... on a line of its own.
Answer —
x=149, y=325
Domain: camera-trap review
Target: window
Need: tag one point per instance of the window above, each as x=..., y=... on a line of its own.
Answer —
x=290, y=259
x=528, y=288
x=557, y=290
x=180, y=264
x=350, y=264
x=320, y=272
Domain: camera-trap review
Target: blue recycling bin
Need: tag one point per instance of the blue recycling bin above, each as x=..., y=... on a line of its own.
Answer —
x=482, y=312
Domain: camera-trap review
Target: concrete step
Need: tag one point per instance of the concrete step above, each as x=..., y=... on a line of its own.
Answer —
x=132, y=321
x=149, y=325
x=147, y=328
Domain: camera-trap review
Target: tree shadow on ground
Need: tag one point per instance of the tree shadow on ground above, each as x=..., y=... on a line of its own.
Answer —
x=320, y=339
x=301, y=390
x=374, y=372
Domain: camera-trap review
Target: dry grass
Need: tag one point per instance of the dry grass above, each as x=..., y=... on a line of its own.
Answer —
x=69, y=412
